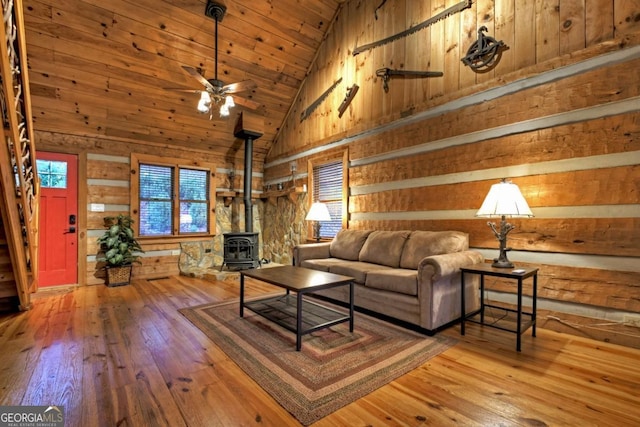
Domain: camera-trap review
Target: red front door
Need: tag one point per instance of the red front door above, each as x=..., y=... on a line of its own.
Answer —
x=58, y=252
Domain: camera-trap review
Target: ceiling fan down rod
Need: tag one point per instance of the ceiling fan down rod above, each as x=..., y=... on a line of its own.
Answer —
x=216, y=11
x=216, y=67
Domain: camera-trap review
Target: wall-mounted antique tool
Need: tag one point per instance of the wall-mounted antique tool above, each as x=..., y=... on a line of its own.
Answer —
x=459, y=7
x=307, y=111
x=484, y=53
x=351, y=93
x=375, y=12
x=386, y=73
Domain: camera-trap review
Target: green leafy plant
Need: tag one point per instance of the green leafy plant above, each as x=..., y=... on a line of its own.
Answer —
x=118, y=245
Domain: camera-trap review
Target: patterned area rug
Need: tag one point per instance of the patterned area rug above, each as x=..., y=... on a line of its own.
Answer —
x=334, y=368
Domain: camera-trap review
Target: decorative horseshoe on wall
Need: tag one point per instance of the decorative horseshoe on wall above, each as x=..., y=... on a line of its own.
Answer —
x=484, y=53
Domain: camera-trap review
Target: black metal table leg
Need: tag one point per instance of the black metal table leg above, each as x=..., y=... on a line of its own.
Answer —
x=534, y=305
x=519, y=316
x=351, y=307
x=482, y=299
x=463, y=307
x=241, y=295
x=299, y=322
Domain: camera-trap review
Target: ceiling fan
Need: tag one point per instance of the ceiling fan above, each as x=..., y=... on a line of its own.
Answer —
x=215, y=91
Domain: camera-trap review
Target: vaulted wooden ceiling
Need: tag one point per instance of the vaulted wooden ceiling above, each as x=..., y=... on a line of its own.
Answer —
x=102, y=68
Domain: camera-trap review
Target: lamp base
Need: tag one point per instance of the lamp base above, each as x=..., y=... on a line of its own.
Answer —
x=316, y=231
x=502, y=263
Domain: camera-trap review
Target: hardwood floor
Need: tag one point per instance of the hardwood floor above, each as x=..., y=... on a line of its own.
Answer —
x=126, y=357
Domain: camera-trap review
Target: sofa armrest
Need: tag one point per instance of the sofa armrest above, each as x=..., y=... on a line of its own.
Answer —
x=439, y=287
x=310, y=251
x=448, y=264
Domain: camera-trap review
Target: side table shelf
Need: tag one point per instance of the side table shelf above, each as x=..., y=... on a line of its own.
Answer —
x=512, y=320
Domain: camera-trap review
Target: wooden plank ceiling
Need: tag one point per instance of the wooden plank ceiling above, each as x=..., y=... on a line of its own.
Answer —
x=102, y=68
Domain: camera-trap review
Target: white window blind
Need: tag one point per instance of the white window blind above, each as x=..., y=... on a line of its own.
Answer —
x=194, y=201
x=327, y=188
x=159, y=209
x=156, y=190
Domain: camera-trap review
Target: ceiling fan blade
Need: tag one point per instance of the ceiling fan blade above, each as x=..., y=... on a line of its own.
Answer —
x=177, y=89
x=249, y=103
x=240, y=86
x=194, y=73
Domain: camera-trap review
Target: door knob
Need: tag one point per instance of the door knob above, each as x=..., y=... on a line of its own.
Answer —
x=70, y=230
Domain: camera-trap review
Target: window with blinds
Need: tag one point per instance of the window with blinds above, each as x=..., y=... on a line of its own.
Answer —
x=158, y=208
x=327, y=189
x=194, y=201
x=156, y=190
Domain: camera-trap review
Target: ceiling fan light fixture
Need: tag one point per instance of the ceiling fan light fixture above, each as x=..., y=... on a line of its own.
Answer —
x=204, y=105
x=215, y=91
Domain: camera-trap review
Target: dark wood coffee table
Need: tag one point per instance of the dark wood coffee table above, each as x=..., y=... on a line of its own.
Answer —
x=296, y=313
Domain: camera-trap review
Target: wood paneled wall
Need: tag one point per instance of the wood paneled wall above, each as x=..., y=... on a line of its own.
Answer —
x=104, y=178
x=559, y=115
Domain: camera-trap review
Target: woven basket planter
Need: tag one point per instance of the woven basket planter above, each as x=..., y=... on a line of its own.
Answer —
x=118, y=276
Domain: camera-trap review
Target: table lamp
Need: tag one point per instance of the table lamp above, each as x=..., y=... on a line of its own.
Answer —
x=504, y=199
x=317, y=213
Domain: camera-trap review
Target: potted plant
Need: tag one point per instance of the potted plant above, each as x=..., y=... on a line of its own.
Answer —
x=118, y=249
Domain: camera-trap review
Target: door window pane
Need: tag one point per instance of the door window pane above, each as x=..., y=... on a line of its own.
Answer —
x=52, y=173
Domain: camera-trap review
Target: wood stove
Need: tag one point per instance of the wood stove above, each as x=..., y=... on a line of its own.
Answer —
x=241, y=250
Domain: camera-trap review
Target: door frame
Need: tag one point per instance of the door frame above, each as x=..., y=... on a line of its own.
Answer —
x=81, y=247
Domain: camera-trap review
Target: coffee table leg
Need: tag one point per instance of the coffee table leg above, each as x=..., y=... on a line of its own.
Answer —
x=299, y=323
x=351, y=307
x=462, y=303
x=241, y=295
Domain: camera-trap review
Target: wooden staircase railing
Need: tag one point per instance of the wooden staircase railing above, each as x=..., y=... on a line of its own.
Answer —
x=18, y=174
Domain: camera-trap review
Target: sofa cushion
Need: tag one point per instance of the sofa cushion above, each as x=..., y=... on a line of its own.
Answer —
x=384, y=247
x=422, y=244
x=347, y=244
x=356, y=269
x=397, y=280
x=320, y=264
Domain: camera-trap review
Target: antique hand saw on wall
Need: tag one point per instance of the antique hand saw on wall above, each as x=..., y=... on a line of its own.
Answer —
x=307, y=111
x=459, y=7
x=386, y=73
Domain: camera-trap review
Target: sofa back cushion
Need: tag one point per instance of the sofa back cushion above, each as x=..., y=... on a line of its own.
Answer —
x=422, y=244
x=384, y=247
x=347, y=244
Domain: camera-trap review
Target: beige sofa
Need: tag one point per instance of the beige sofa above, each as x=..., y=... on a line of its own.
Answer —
x=411, y=276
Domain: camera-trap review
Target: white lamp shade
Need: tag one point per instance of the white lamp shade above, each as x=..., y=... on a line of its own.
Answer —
x=318, y=212
x=504, y=198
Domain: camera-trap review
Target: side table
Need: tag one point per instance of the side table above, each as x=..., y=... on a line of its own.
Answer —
x=524, y=320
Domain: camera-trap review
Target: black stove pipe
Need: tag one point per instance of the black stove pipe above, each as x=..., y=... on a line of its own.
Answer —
x=242, y=131
x=248, y=207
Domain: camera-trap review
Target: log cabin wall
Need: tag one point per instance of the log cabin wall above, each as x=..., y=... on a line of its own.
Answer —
x=108, y=81
x=559, y=115
x=104, y=178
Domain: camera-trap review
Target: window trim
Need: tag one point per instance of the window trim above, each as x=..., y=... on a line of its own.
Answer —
x=319, y=161
x=134, y=200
